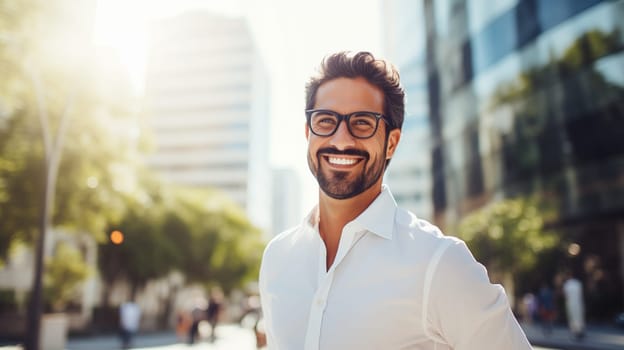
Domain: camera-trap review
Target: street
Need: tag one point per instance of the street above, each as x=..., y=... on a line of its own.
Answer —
x=235, y=337
x=229, y=337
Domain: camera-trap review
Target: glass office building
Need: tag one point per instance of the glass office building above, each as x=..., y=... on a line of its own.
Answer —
x=404, y=45
x=526, y=97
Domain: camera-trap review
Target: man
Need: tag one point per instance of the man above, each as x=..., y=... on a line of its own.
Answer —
x=359, y=272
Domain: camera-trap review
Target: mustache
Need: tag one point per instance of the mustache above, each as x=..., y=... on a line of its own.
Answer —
x=346, y=152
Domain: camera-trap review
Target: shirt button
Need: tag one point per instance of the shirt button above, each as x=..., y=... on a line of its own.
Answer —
x=319, y=302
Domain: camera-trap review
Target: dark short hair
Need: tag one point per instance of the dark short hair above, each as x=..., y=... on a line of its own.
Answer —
x=379, y=73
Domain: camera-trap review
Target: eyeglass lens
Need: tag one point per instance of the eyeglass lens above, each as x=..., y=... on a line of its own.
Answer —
x=360, y=124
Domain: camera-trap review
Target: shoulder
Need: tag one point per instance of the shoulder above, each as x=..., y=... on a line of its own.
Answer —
x=284, y=247
x=282, y=240
x=409, y=228
x=286, y=250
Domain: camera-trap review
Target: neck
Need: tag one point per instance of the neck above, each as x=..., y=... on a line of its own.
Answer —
x=334, y=214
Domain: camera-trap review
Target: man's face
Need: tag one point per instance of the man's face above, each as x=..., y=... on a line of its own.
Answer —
x=344, y=165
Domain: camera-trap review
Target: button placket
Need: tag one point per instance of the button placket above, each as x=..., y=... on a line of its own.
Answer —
x=319, y=300
x=315, y=320
x=351, y=235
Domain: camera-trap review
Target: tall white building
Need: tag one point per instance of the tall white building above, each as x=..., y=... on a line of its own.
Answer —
x=207, y=98
x=409, y=174
x=286, y=200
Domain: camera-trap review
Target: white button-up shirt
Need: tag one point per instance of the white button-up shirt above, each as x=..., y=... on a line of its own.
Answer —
x=396, y=283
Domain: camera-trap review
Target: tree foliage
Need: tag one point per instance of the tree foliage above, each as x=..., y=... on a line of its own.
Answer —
x=65, y=270
x=48, y=69
x=197, y=232
x=508, y=235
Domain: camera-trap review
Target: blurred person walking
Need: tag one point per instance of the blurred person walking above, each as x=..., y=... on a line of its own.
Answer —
x=183, y=324
x=529, y=307
x=575, y=306
x=214, y=311
x=129, y=320
x=198, y=314
x=359, y=272
x=547, y=309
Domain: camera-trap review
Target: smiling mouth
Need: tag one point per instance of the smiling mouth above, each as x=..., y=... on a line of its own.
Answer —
x=341, y=161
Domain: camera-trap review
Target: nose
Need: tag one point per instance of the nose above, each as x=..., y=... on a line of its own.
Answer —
x=342, y=138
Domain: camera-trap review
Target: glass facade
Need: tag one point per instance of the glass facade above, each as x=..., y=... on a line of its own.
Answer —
x=404, y=39
x=527, y=97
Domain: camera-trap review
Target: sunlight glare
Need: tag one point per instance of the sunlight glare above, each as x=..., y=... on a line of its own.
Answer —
x=292, y=37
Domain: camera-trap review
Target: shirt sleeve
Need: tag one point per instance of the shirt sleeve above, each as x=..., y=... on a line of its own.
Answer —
x=466, y=310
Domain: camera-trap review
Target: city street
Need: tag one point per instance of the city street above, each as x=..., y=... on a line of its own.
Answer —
x=234, y=337
x=229, y=337
x=596, y=337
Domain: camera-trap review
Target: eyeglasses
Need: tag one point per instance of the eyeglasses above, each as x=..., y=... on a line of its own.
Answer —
x=362, y=125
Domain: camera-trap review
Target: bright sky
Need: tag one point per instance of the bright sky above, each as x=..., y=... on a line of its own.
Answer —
x=292, y=35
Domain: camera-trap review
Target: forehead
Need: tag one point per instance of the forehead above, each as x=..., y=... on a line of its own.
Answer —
x=345, y=95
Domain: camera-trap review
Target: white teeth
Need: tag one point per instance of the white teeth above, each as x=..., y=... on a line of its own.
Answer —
x=342, y=161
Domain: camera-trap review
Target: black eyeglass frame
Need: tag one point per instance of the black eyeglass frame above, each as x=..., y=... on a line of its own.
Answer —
x=346, y=118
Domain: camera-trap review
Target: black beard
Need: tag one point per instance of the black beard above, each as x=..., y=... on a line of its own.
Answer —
x=336, y=184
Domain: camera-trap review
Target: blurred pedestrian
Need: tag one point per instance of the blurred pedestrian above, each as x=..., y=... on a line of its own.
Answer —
x=129, y=320
x=252, y=311
x=183, y=324
x=529, y=307
x=575, y=306
x=198, y=314
x=359, y=272
x=215, y=308
x=547, y=309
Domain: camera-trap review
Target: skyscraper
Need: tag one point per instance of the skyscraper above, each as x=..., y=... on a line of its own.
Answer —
x=207, y=94
x=409, y=175
x=526, y=98
x=286, y=200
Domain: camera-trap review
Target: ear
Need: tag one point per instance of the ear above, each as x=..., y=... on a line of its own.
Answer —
x=393, y=142
x=307, y=131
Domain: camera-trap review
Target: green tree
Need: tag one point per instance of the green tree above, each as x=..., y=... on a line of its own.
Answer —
x=38, y=86
x=224, y=247
x=508, y=236
x=197, y=232
x=53, y=101
x=65, y=270
x=145, y=253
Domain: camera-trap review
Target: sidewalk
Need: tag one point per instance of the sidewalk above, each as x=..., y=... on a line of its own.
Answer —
x=596, y=338
x=228, y=337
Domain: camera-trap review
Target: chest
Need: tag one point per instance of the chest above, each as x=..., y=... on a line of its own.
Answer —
x=370, y=299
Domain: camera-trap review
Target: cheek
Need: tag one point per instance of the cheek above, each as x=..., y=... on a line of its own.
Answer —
x=380, y=150
x=313, y=147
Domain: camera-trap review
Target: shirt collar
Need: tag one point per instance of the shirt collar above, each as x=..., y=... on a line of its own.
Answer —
x=378, y=218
